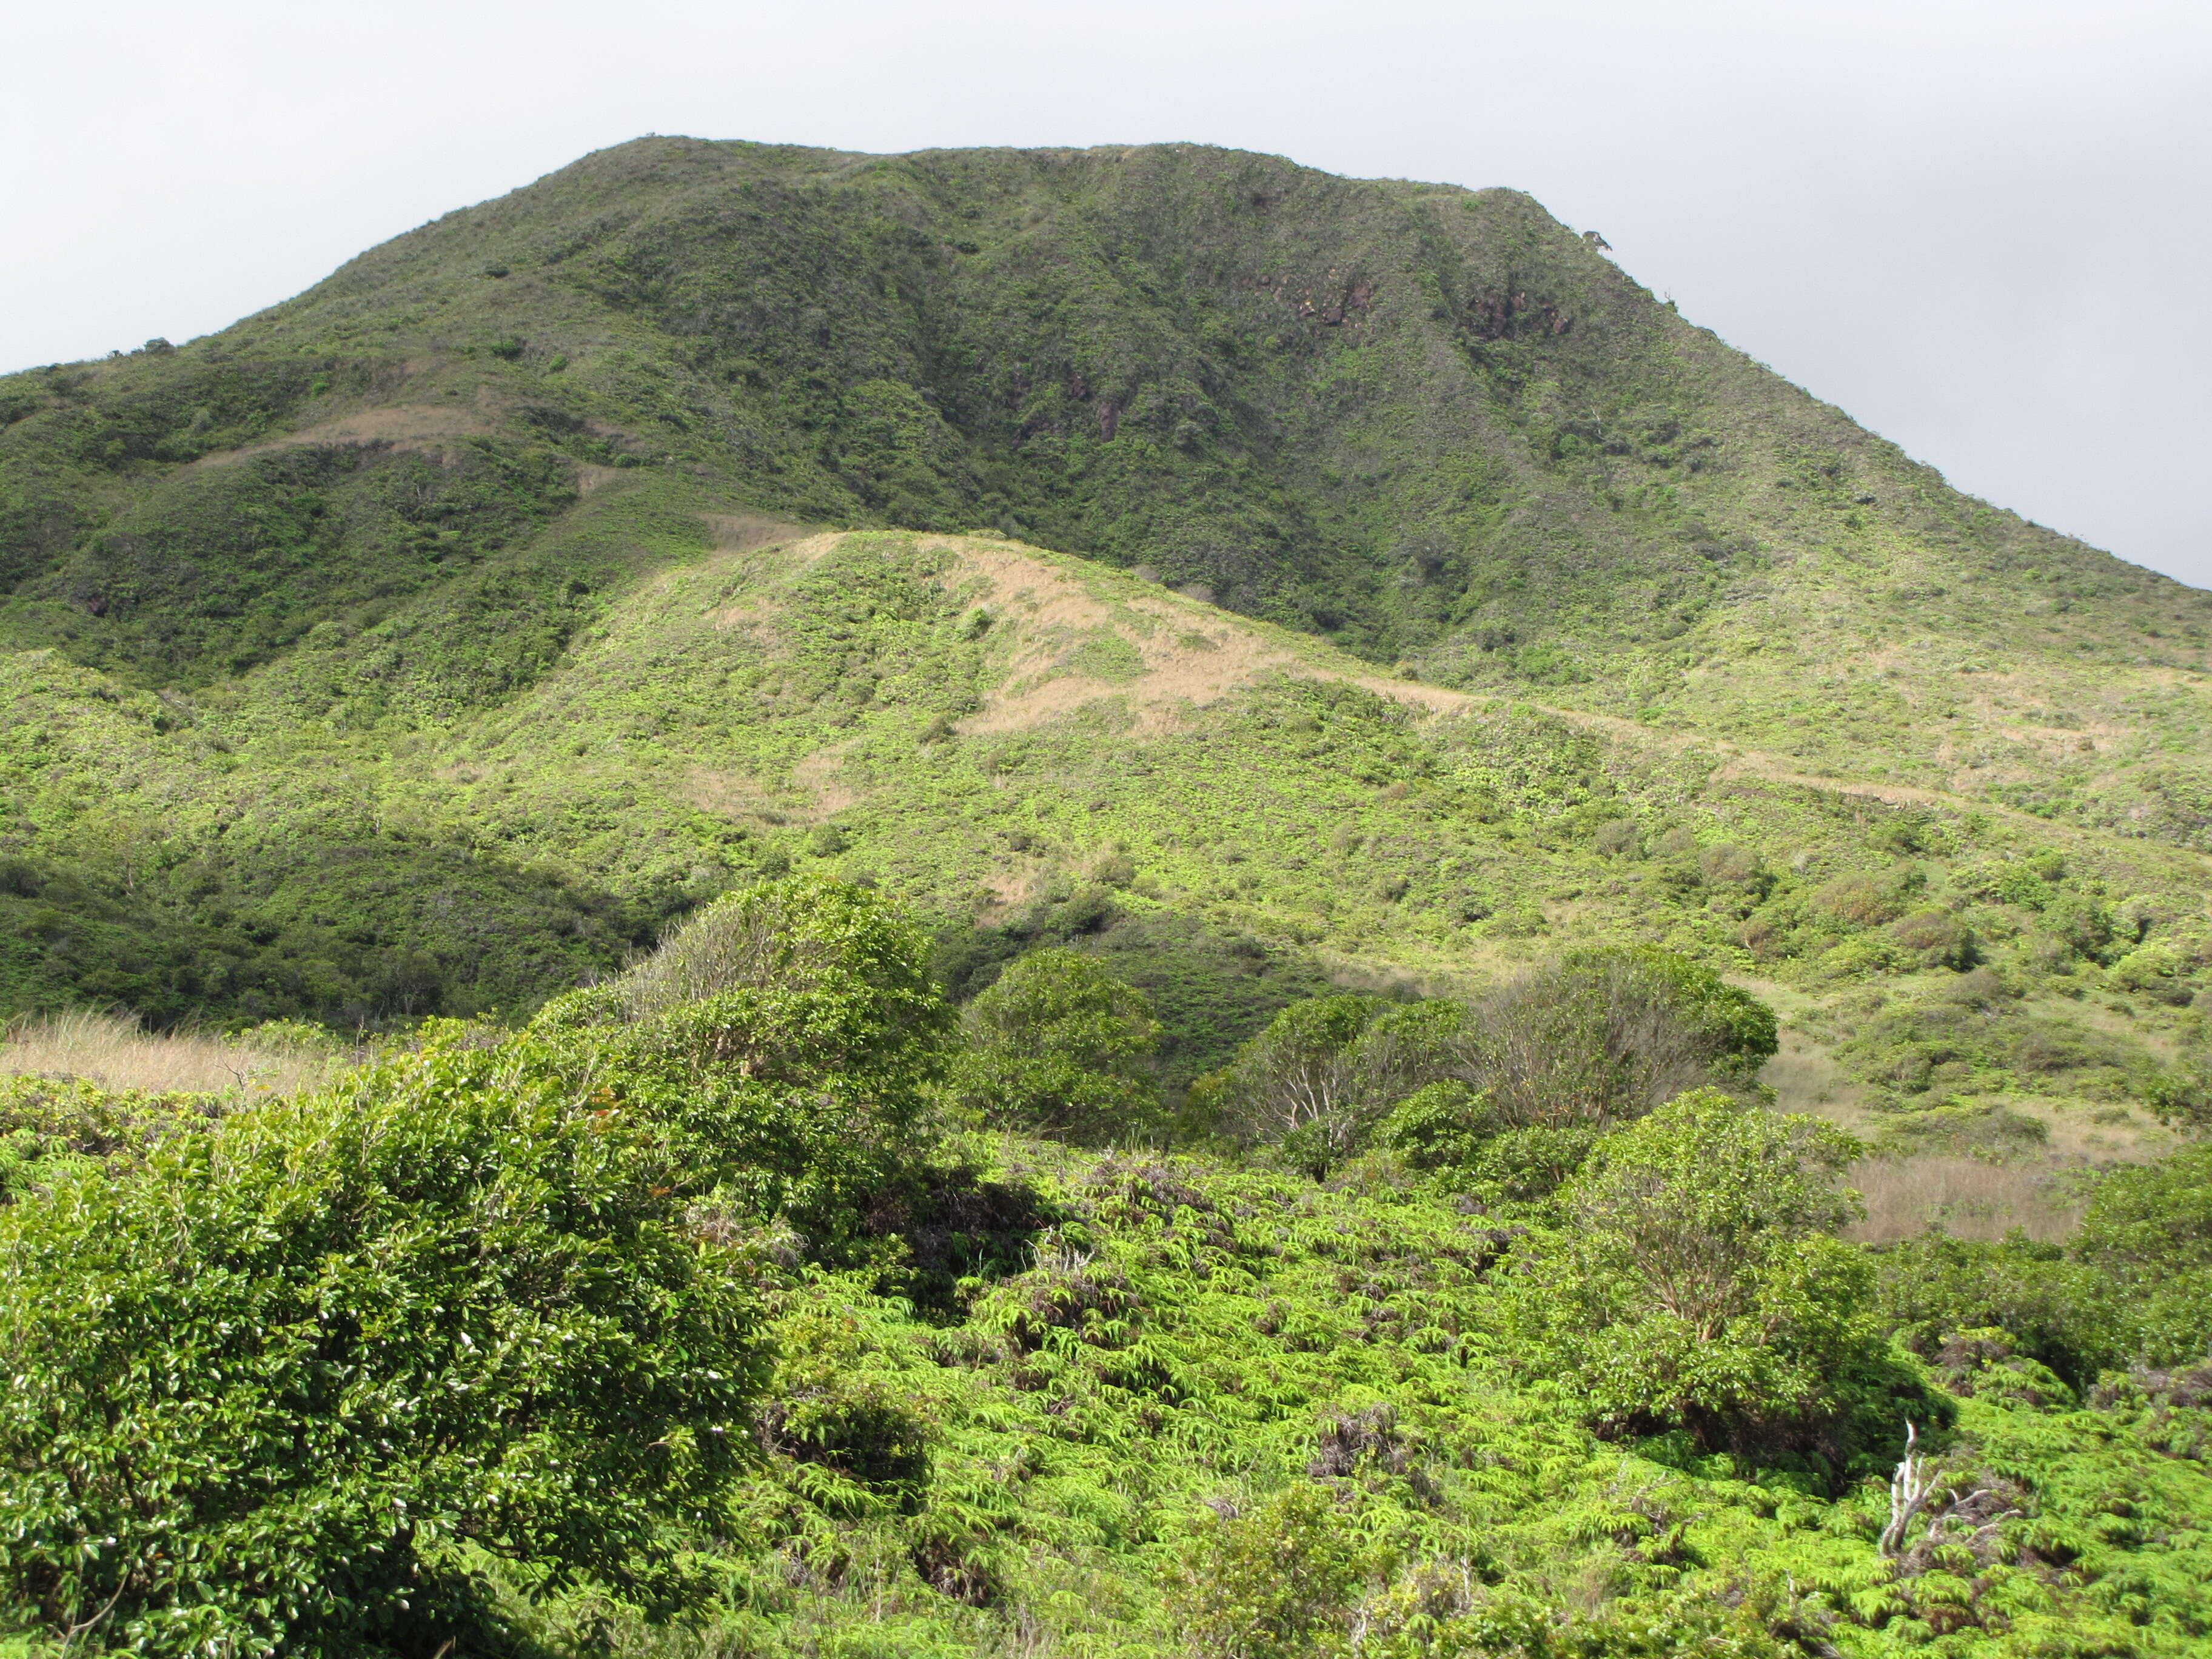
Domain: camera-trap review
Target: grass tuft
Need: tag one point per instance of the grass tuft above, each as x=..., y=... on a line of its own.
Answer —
x=116, y=1052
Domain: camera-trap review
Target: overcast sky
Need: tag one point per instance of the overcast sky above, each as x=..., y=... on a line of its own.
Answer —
x=1981, y=228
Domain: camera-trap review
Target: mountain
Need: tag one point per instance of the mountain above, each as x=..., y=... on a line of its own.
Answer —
x=786, y=640
x=1284, y=579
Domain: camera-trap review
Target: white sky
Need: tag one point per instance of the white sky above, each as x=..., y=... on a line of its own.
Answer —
x=1982, y=228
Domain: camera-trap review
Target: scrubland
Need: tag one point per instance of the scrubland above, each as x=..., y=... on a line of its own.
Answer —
x=1128, y=901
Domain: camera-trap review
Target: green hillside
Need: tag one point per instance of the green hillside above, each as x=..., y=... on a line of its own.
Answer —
x=1030, y=748
x=1061, y=651
x=313, y=583
x=1430, y=423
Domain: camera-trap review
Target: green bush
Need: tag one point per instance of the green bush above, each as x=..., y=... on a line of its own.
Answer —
x=52, y=1128
x=2060, y=1313
x=789, y=1036
x=1275, y=1582
x=1604, y=1034
x=1579, y=1045
x=2148, y=1232
x=494, y=1295
x=1061, y=1047
x=264, y=1389
x=1694, y=1282
x=1308, y=1083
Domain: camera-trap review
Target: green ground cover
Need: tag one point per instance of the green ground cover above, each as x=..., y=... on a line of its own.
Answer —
x=1236, y=822
x=683, y=1322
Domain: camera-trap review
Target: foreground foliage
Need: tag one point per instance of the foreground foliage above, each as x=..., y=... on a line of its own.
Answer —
x=670, y=1325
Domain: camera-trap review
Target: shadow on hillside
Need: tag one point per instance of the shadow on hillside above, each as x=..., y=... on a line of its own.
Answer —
x=962, y=1230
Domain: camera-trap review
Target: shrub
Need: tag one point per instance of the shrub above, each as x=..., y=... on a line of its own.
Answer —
x=1272, y=1582
x=1735, y=867
x=2079, y=924
x=1935, y=939
x=1597, y=1036
x=1061, y=1047
x=263, y=1388
x=1296, y=1081
x=2148, y=1231
x=1326, y=1070
x=2057, y=1312
x=2157, y=970
x=52, y=1128
x=1695, y=1283
x=1860, y=901
x=1619, y=837
x=1605, y=1035
x=789, y=1036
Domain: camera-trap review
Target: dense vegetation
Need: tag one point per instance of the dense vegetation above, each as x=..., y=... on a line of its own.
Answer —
x=1265, y=800
x=1040, y=753
x=688, y=1319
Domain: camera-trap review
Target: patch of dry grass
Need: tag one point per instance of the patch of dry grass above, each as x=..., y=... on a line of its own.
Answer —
x=114, y=1052
x=1968, y=1197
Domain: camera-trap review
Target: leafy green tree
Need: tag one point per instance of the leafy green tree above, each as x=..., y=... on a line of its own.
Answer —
x=1695, y=1281
x=1604, y=1034
x=1059, y=1045
x=790, y=1036
x=263, y=1387
x=1524, y=1078
x=499, y=1292
x=1302, y=1083
x=1515, y=1091
x=777, y=981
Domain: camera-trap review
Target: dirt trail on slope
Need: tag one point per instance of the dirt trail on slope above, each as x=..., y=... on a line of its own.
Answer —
x=1191, y=653
x=1194, y=654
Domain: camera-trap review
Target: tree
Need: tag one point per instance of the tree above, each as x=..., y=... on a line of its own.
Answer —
x=1523, y=1080
x=1309, y=1083
x=262, y=1388
x=1060, y=1046
x=790, y=1036
x=499, y=1293
x=779, y=981
x=1601, y=1036
x=1694, y=1281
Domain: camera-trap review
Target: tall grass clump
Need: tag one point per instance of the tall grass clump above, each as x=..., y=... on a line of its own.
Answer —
x=115, y=1051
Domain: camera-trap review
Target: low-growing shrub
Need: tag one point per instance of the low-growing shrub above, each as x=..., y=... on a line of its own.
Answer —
x=2058, y=1312
x=788, y=1037
x=1274, y=1581
x=53, y=1128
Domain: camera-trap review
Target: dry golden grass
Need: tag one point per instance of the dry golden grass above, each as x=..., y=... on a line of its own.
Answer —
x=114, y=1052
x=1969, y=1198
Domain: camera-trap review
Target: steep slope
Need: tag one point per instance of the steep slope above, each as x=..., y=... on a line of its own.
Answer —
x=1430, y=423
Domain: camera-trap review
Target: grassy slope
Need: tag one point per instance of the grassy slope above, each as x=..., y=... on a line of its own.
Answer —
x=1029, y=744
x=1431, y=424
x=389, y=651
